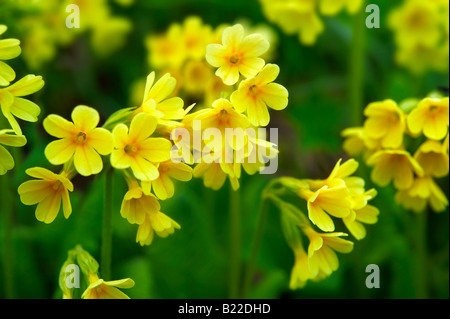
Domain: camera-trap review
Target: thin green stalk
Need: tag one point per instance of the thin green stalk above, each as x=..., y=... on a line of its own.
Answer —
x=356, y=80
x=235, y=244
x=421, y=254
x=106, y=248
x=8, y=251
x=256, y=245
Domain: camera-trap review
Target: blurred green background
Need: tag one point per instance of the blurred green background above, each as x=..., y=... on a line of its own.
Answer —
x=193, y=263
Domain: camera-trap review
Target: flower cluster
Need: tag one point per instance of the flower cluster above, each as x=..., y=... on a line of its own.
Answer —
x=303, y=16
x=421, y=33
x=93, y=286
x=44, y=27
x=406, y=144
x=13, y=105
x=340, y=196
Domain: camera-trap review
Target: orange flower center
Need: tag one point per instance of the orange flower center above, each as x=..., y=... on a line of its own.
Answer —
x=433, y=109
x=131, y=149
x=81, y=138
x=57, y=186
x=234, y=59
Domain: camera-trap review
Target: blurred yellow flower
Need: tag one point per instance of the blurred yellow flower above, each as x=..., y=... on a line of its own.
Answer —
x=81, y=140
x=167, y=51
x=9, y=49
x=196, y=37
x=385, y=122
x=300, y=273
x=158, y=223
x=48, y=192
x=197, y=75
x=396, y=165
x=430, y=117
x=100, y=289
x=135, y=149
x=333, y=7
x=255, y=94
x=7, y=137
x=137, y=203
x=12, y=105
x=433, y=158
x=238, y=54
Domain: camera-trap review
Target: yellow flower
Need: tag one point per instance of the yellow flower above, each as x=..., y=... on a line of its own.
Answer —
x=433, y=158
x=81, y=140
x=168, y=50
x=48, y=192
x=135, y=149
x=396, y=165
x=333, y=7
x=12, y=105
x=365, y=214
x=158, y=223
x=197, y=76
x=256, y=94
x=424, y=190
x=163, y=186
x=9, y=49
x=300, y=273
x=321, y=250
x=386, y=122
x=196, y=37
x=431, y=116
x=110, y=35
x=327, y=201
x=100, y=289
x=238, y=54
x=214, y=176
x=7, y=137
x=357, y=142
x=156, y=100
x=137, y=203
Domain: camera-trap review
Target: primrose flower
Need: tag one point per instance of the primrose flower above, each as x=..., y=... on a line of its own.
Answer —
x=327, y=201
x=12, y=105
x=163, y=186
x=158, y=223
x=357, y=142
x=214, y=175
x=256, y=94
x=7, y=137
x=321, y=250
x=48, y=192
x=333, y=7
x=137, y=203
x=100, y=289
x=81, y=140
x=396, y=165
x=196, y=37
x=197, y=75
x=238, y=54
x=9, y=49
x=135, y=149
x=385, y=122
x=300, y=273
x=431, y=116
x=433, y=158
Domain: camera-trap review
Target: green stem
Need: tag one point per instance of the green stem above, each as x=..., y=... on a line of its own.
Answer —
x=235, y=244
x=256, y=245
x=421, y=254
x=8, y=251
x=356, y=81
x=106, y=249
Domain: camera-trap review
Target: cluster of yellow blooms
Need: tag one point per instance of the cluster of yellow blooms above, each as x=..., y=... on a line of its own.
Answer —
x=303, y=16
x=406, y=144
x=96, y=288
x=421, y=32
x=340, y=196
x=44, y=27
x=139, y=140
x=12, y=103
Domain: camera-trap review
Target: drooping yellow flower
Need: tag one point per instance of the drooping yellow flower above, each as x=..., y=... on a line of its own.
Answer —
x=214, y=175
x=423, y=191
x=157, y=102
x=163, y=186
x=12, y=105
x=396, y=165
x=7, y=137
x=158, y=223
x=431, y=116
x=135, y=148
x=81, y=140
x=238, y=54
x=327, y=201
x=137, y=203
x=100, y=289
x=9, y=49
x=258, y=93
x=357, y=142
x=433, y=158
x=300, y=273
x=321, y=250
x=385, y=122
x=48, y=192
